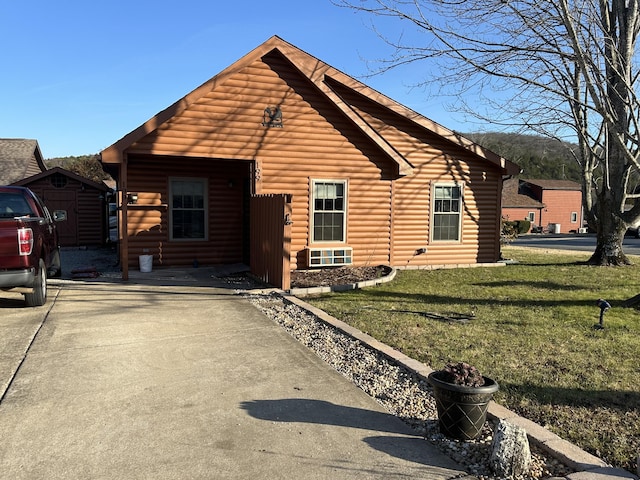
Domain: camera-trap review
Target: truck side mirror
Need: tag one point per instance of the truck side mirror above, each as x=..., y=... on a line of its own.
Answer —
x=59, y=215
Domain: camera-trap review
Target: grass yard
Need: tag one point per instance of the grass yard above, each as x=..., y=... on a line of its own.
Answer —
x=530, y=326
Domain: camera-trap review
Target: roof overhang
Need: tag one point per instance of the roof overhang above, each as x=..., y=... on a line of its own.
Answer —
x=317, y=72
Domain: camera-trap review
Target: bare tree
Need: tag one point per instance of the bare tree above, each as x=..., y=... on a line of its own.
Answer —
x=558, y=67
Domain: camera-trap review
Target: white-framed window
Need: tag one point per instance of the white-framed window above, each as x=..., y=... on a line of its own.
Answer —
x=188, y=208
x=531, y=216
x=328, y=210
x=574, y=217
x=447, y=212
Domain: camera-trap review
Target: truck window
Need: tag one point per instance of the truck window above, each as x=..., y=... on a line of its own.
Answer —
x=14, y=205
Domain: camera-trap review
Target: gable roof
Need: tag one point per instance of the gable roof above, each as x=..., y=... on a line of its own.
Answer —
x=321, y=75
x=86, y=181
x=19, y=158
x=517, y=194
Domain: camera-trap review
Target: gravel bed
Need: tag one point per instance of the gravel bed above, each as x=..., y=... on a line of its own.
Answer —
x=399, y=391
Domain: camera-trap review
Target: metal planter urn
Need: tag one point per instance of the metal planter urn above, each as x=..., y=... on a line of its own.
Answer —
x=461, y=403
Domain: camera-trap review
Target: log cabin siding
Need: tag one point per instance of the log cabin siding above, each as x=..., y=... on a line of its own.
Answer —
x=389, y=158
x=92, y=216
x=435, y=161
x=148, y=220
x=309, y=146
x=269, y=238
x=83, y=199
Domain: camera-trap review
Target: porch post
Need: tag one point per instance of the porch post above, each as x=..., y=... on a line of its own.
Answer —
x=124, y=230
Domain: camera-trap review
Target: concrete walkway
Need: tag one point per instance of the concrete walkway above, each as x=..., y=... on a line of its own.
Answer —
x=126, y=381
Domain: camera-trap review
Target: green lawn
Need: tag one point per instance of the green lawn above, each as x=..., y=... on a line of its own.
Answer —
x=530, y=326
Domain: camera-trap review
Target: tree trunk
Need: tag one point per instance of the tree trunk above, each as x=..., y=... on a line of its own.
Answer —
x=609, y=251
x=611, y=231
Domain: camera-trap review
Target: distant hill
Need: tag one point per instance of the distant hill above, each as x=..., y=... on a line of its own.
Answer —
x=87, y=166
x=539, y=157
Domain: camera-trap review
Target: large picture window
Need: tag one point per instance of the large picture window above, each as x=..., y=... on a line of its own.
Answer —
x=188, y=209
x=447, y=208
x=329, y=210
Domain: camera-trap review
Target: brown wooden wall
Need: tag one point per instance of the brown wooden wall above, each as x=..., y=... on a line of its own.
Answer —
x=388, y=216
x=85, y=206
x=271, y=239
x=227, y=123
x=148, y=219
x=436, y=160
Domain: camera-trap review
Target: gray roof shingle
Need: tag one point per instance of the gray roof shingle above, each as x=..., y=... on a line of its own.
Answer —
x=19, y=158
x=516, y=195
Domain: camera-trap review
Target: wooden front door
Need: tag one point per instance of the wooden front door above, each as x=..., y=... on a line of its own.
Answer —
x=60, y=199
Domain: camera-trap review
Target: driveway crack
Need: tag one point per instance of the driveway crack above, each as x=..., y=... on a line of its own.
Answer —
x=14, y=374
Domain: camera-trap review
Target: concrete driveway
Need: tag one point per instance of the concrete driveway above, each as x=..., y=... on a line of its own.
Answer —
x=141, y=381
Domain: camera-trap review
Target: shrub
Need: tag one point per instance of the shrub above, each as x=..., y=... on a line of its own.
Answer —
x=523, y=226
x=461, y=373
x=509, y=232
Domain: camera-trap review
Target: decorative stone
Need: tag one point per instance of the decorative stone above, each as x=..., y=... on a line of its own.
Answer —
x=510, y=453
x=405, y=394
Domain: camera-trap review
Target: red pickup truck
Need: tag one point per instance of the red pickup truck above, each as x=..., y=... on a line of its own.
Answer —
x=29, y=247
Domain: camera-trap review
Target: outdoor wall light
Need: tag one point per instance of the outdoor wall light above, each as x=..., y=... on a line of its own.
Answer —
x=604, y=306
x=132, y=198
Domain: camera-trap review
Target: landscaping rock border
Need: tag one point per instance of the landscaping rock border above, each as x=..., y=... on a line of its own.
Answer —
x=399, y=383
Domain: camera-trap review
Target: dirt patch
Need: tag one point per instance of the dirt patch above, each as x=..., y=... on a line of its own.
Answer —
x=326, y=277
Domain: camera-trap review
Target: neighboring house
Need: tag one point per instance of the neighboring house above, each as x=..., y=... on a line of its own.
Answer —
x=84, y=200
x=520, y=203
x=19, y=158
x=554, y=205
x=283, y=162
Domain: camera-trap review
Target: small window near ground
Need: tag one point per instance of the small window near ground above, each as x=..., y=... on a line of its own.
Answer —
x=574, y=217
x=188, y=209
x=328, y=202
x=531, y=216
x=447, y=208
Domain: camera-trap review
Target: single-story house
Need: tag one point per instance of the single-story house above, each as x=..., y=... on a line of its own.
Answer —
x=19, y=158
x=553, y=205
x=84, y=200
x=283, y=162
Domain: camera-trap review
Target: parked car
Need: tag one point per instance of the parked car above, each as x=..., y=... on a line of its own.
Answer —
x=29, y=246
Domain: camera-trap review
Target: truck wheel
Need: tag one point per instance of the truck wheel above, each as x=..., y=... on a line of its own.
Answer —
x=39, y=295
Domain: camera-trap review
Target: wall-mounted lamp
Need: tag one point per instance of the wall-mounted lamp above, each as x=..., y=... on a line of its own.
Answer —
x=132, y=198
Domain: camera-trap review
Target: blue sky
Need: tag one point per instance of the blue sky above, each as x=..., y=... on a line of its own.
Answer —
x=80, y=75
